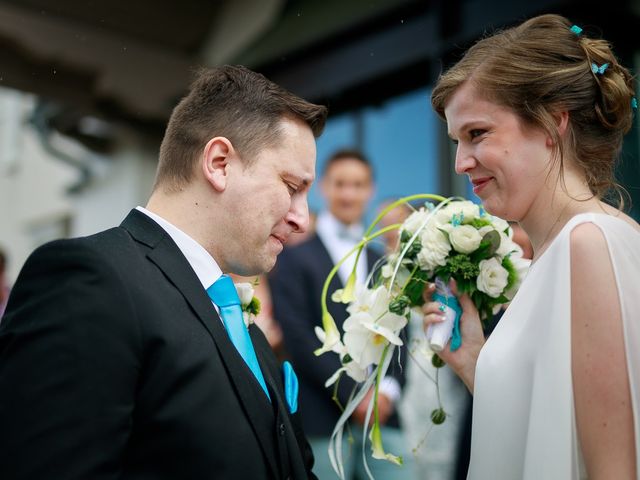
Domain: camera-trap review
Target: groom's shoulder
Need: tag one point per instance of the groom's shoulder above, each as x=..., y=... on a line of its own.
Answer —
x=113, y=243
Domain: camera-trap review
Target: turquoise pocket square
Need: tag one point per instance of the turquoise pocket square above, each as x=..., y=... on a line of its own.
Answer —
x=290, y=387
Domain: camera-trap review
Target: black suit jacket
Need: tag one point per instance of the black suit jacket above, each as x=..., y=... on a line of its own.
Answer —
x=115, y=365
x=296, y=285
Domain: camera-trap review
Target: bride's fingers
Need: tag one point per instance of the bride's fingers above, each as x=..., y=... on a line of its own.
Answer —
x=432, y=318
x=465, y=301
x=432, y=307
x=428, y=291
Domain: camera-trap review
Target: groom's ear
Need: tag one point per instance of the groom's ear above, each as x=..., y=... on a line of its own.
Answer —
x=215, y=161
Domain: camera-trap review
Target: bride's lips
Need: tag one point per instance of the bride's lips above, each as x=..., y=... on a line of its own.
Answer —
x=480, y=183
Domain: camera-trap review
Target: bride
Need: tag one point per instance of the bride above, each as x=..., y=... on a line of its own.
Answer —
x=538, y=113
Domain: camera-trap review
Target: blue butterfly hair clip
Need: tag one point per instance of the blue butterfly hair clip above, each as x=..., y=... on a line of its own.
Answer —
x=599, y=70
x=576, y=29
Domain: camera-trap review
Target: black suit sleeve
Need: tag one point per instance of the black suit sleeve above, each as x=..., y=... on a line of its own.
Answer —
x=68, y=367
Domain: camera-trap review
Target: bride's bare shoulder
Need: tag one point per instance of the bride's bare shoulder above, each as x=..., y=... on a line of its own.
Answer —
x=609, y=210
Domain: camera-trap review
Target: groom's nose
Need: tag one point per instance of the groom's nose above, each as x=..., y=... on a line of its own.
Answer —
x=298, y=215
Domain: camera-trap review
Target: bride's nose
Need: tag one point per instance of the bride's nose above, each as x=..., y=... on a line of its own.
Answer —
x=465, y=160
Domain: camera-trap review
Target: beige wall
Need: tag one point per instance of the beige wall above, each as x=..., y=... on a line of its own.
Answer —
x=35, y=205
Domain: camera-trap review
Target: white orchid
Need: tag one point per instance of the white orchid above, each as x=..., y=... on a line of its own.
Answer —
x=371, y=326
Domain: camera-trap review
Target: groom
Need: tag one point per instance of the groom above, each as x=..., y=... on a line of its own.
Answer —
x=119, y=358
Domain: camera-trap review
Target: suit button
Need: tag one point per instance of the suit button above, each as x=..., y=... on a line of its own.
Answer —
x=281, y=429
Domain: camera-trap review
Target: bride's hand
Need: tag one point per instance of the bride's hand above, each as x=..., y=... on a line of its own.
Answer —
x=462, y=361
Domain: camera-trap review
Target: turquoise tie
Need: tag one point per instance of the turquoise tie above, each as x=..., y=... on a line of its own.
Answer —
x=223, y=293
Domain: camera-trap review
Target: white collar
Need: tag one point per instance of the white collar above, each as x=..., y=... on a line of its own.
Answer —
x=329, y=227
x=203, y=264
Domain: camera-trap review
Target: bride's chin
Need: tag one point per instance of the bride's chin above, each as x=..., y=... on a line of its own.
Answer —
x=494, y=209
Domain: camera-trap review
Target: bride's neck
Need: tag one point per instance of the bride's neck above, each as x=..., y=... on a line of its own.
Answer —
x=549, y=215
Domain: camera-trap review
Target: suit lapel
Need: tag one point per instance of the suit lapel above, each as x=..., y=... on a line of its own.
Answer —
x=168, y=257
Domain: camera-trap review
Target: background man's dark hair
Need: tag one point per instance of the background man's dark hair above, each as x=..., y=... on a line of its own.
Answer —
x=347, y=153
x=232, y=102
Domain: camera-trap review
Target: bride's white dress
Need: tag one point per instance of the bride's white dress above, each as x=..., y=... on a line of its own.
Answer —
x=523, y=418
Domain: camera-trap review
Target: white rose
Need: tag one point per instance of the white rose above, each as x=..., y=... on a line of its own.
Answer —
x=500, y=224
x=465, y=238
x=507, y=246
x=443, y=216
x=467, y=209
x=447, y=227
x=415, y=221
x=435, y=248
x=245, y=292
x=492, y=278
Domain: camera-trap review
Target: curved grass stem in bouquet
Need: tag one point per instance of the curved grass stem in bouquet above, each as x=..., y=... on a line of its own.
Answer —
x=453, y=240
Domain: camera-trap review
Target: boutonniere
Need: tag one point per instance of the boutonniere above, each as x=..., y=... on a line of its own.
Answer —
x=248, y=301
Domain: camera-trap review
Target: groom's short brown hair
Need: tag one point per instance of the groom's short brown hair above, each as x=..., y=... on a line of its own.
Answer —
x=232, y=102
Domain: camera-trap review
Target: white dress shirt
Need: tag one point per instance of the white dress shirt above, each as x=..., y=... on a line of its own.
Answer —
x=339, y=239
x=203, y=264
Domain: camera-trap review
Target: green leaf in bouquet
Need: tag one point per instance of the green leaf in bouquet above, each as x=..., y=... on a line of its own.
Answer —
x=466, y=285
x=512, y=278
x=480, y=222
x=488, y=246
x=399, y=305
x=415, y=287
x=404, y=236
x=413, y=250
x=346, y=359
x=443, y=273
x=461, y=266
x=501, y=300
x=484, y=304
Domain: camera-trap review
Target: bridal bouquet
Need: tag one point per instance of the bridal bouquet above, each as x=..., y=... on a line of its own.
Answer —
x=456, y=240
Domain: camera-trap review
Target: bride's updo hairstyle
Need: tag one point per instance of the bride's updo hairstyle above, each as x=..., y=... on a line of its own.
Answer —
x=546, y=65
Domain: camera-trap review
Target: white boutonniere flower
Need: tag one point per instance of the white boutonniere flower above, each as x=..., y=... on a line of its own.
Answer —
x=248, y=301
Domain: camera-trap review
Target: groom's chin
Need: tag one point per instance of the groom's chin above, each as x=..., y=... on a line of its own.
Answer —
x=269, y=265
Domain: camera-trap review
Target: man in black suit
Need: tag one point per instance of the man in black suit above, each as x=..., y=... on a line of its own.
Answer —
x=296, y=286
x=115, y=363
